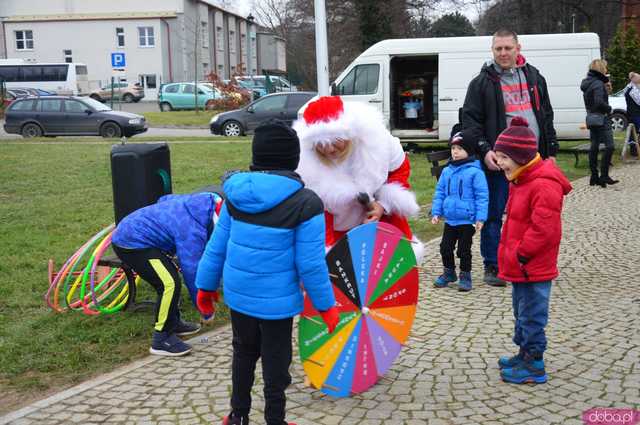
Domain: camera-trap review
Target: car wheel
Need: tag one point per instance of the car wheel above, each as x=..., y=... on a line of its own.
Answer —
x=128, y=98
x=166, y=107
x=619, y=122
x=232, y=129
x=110, y=130
x=96, y=97
x=31, y=130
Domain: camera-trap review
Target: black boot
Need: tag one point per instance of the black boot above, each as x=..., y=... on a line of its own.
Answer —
x=604, y=168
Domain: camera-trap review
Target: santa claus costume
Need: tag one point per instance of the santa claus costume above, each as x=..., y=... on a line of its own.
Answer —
x=375, y=164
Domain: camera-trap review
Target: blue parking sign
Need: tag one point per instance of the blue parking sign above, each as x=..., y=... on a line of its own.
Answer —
x=118, y=60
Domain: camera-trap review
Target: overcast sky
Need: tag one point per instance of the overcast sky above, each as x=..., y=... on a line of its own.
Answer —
x=243, y=7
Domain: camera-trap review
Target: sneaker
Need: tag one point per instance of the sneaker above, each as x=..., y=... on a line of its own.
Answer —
x=506, y=362
x=187, y=328
x=528, y=371
x=491, y=276
x=231, y=419
x=465, y=282
x=447, y=276
x=164, y=344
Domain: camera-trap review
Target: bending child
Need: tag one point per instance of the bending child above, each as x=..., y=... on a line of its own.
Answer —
x=146, y=240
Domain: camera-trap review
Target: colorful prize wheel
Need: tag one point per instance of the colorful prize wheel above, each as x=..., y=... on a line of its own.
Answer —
x=375, y=281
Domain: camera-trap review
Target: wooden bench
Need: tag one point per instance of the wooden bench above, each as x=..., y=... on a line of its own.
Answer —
x=584, y=148
x=131, y=304
x=434, y=158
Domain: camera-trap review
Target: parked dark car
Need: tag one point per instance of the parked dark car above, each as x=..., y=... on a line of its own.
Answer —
x=69, y=116
x=283, y=106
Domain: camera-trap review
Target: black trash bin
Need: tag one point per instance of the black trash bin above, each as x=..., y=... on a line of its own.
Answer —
x=140, y=174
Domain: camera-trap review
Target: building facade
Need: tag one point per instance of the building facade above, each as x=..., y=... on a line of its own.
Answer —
x=160, y=40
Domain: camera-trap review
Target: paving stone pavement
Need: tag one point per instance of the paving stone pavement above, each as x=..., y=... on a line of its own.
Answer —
x=447, y=372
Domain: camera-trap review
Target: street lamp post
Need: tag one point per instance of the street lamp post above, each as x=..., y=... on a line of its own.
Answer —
x=322, y=60
x=250, y=20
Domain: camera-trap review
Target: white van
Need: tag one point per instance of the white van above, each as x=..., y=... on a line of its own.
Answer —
x=420, y=84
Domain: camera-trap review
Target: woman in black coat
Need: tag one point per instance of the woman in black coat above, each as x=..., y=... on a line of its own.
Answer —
x=596, y=101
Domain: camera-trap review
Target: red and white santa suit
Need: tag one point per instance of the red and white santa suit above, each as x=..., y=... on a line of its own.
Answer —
x=377, y=165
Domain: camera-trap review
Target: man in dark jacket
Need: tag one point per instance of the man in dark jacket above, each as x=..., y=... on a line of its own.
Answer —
x=505, y=88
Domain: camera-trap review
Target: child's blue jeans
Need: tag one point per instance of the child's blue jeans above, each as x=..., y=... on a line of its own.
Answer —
x=531, y=311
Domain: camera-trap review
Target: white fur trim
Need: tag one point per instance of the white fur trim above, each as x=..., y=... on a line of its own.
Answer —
x=418, y=249
x=398, y=200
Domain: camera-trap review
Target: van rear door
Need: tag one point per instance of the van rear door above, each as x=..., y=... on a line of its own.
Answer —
x=363, y=83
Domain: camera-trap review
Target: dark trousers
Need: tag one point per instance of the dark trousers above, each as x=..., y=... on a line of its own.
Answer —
x=270, y=339
x=600, y=135
x=157, y=268
x=490, y=233
x=463, y=235
x=531, y=310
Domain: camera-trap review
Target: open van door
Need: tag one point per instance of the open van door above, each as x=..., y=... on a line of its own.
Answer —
x=363, y=83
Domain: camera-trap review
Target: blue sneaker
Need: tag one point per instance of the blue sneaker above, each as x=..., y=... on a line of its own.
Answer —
x=187, y=328
x=165, y=344
x=465, y=282
x=447, y=276
x=528, y=371
x=506, y=362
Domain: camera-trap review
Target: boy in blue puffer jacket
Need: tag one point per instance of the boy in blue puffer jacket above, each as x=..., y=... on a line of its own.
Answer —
x=462, y=198
x=269, y=237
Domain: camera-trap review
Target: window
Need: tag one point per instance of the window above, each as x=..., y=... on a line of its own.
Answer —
x=81, y=70
x=151, y=81
x=172, y=88
x=219, y=39
x=273, y=103
x=232, y=41
x=205, y=35
x=9, y=73
x=187, y=88
x=363, y=79
x=68, y=58
x=54, y=72
x=74, y=107
x=50, y=105
x=297, y=100
x=145, y=37
x=25, y=105
x=24, y=40
x=120, y=37
x=32, y=73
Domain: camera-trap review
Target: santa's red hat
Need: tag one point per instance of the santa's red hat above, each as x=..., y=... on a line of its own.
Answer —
x=329, y=118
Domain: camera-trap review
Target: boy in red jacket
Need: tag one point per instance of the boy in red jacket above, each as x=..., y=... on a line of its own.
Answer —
x=529, y=245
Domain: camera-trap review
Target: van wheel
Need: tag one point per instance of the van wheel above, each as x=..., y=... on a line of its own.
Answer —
x=232, y=129
x=128, y=98
x=166, y=107
x=31, y=130
x=619, y=122
x=110, y=130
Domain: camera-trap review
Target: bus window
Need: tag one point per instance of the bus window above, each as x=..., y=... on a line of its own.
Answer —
x=9, y=73
x=81, y=70
x=31, y=73
x=54, y=72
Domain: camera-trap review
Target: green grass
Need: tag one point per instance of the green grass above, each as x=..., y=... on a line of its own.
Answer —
x=179, y=118
x=53, y=197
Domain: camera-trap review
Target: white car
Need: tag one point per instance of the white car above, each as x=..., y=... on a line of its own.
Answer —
x=619, y=119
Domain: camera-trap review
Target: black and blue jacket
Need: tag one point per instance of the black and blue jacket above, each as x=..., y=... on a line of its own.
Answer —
x=269, y=238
